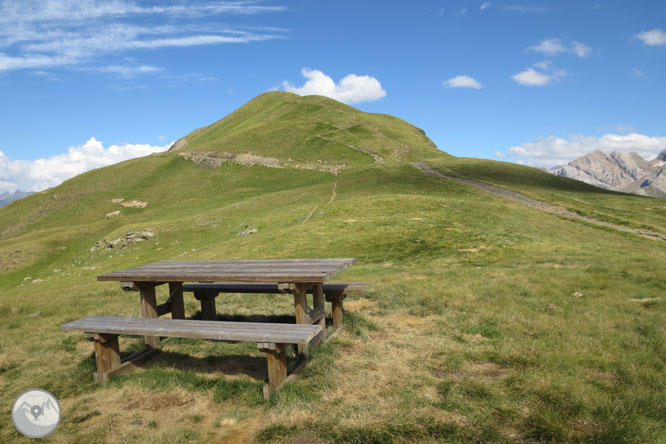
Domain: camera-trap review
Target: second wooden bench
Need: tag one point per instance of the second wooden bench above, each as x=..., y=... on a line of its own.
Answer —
x=334, y=292
x=270, y=338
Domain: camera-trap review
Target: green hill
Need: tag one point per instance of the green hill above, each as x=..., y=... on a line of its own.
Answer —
x=486, y=320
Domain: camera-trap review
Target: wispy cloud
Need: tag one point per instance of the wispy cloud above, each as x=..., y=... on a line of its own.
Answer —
x=526, y=8
x=125, y=71
x=38, y=34
x=655, y=37
x=350, y=89
x=638, y=73
x=39, y=174
x=484, y=6
x=462, y=82
x=553, y=47
x=553, y=151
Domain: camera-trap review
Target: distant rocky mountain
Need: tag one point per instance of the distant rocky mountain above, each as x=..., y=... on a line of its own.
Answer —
x=626, y=172
x=7, y=197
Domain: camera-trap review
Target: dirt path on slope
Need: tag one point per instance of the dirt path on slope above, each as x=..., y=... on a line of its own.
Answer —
x=330, y=201
x=539, y=205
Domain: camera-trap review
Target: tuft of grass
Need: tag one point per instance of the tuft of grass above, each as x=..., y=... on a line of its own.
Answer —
x=358, y=325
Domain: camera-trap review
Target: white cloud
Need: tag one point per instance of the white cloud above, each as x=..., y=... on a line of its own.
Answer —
x=549, y=47
x=553, y=47
x=638, y=73
x=38, y=34
x=463, y=11
x=462, y=82
x=485, y=6
x=655, y=37
x=580, y=49
x=126, y=71
x=553, y=151
x=351, y=89
x=39, y=174
x=526, y=8
x=532, y=77
x=545, y=65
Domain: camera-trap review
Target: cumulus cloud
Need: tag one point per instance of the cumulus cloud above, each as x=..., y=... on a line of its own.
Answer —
x=351, y=89
x=553, y=47
x=655, y=37
x=532, y=77
x=553, y=151
x=462, y=82
x=39, y=174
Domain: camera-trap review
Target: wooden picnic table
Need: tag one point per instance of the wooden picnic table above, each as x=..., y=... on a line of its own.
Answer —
x=293, y=276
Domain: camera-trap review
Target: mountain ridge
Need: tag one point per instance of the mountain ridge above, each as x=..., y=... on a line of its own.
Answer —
x=624, y=172
x=8, y=197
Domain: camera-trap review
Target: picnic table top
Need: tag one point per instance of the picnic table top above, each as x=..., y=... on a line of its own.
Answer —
x=258, y=270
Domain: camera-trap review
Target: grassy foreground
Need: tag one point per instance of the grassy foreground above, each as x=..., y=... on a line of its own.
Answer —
x=486, y=321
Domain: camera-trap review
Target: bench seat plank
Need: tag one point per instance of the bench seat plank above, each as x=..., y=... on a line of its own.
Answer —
x=180, y=328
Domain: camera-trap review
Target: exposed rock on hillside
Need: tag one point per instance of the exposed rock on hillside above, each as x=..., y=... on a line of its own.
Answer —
x=130, y=238
x=627, y=172
x=215, y=159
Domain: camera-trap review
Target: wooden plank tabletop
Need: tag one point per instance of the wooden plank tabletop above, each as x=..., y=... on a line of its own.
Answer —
x=223, y=331
x=259, y=271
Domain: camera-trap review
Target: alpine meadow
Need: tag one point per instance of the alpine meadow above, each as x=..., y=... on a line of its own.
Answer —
x=506, y=304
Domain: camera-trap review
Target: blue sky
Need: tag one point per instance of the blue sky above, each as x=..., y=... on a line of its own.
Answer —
x=87, y=83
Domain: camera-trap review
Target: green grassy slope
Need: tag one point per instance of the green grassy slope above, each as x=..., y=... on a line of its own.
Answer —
x=284, y=125
x=486, y=321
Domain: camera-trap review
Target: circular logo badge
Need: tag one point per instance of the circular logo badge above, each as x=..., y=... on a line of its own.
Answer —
x=36, y=413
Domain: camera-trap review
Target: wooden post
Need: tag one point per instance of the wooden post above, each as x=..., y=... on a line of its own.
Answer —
x=149, y=309
x=176, y=297
x=276, y=359
x=337, y=313
x=318, y=302
x=336, y=302
x=207, y=300
x=107, y=355
x=301, y=306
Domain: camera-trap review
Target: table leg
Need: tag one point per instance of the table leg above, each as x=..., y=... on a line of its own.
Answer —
x=149, y=309
x=301, y=306
x=176, y=297
x=318, y=303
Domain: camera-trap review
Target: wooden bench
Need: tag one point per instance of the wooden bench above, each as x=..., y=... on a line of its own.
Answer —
x=270, y=338
x=334, y=292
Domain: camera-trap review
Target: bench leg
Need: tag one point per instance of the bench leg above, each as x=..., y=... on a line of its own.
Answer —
x=176, y=298
x=276, y=358
x=318, y=302
x=107, y=355
x=336, y=303
x=301, y=306
x=207, y=300
x=149, y=310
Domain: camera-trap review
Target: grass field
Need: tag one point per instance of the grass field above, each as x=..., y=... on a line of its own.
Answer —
x=486, y=321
